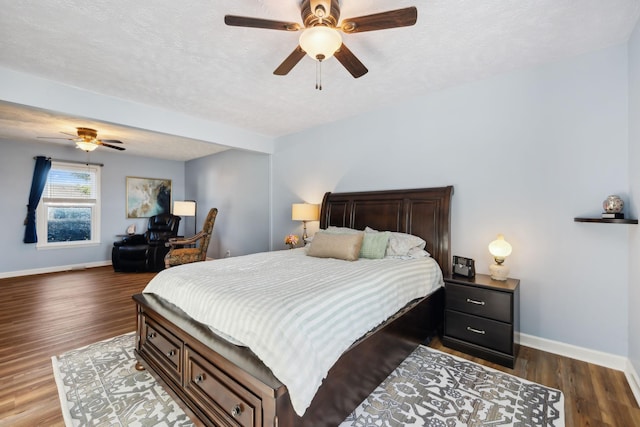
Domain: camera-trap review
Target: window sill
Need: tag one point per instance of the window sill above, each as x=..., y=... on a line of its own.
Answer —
x=48, y=246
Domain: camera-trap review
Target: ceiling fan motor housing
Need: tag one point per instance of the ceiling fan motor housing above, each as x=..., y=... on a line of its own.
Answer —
x=320, y=12
x=87, y=134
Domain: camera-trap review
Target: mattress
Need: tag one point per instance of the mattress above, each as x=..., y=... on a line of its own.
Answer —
x=297, y=313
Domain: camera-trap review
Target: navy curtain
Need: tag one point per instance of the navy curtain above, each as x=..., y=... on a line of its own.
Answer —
x=40, y=173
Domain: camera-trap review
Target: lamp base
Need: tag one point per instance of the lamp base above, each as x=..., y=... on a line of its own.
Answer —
x=499, y=272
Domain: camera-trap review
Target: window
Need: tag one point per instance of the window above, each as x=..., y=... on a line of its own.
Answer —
x=68, y=214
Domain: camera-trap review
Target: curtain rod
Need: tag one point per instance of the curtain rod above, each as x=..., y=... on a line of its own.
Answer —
x=74, y=161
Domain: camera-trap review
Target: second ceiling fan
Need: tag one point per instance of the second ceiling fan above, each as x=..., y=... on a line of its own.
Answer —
x=321, y=38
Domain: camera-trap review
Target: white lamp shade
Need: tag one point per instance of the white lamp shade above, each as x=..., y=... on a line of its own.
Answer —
x=184, y=208
x=500, y=248
x=305, y=212
x=320, y=42
x=86, y=146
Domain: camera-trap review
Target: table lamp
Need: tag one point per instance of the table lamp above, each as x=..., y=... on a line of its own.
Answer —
x=305, y=212
x=500, y=249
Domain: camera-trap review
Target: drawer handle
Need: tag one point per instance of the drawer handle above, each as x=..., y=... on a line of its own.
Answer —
x=151, y=336
x=198, y=379
x=476, y=331
x=473, y=301
x=236, y=411
x=171, y=353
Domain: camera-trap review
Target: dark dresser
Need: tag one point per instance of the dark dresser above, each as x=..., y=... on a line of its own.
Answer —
x=482, y=316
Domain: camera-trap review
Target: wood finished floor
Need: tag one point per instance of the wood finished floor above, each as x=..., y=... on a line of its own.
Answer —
x=46, y=315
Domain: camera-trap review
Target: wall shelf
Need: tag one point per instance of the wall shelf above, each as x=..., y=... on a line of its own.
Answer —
x=607, y=220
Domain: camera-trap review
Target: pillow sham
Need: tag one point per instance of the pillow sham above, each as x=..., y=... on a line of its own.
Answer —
x=374, y=245
x=340, y=246
x=400, y=244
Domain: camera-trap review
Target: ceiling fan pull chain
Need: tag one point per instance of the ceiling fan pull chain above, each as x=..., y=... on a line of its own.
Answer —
x=319, y=75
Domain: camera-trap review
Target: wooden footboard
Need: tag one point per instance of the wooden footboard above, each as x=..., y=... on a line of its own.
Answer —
x=225, y=385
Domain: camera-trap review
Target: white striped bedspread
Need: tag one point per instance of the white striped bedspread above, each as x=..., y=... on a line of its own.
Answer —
x=297, y=313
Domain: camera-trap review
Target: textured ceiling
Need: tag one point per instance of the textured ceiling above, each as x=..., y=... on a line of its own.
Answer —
x=180, y=55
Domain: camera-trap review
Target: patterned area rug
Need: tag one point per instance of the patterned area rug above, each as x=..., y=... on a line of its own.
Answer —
x=99, y=386
x=435, y=389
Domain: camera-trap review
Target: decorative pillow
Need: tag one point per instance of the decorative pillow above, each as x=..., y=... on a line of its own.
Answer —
x=339, y=246
x=374, y=245
x=400, y=244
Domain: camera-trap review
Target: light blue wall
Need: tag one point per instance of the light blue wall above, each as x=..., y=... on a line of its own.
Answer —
x=237, y=183
x=526, y=152
x=634, y=172
x=16, y=172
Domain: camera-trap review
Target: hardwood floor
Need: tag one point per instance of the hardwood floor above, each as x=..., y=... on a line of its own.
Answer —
x=46, y=315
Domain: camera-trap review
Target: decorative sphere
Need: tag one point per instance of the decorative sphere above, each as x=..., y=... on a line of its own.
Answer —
x=613, y=204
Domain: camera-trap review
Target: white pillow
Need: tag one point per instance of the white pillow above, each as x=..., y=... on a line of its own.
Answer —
x=403, y=245
x=340, y=230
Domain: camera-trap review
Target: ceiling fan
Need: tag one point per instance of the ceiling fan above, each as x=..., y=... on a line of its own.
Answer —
x=321, y=39
x=87, y=140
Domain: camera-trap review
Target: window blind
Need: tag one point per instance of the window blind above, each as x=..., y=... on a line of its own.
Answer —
x=71, y=184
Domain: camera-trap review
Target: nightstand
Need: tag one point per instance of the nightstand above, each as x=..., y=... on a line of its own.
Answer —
x=482, y=316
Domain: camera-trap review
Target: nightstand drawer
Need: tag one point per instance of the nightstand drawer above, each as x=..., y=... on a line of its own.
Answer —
x=481, y=302
x=484, y=332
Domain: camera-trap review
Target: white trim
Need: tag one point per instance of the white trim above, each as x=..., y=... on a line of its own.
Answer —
x=633, y=379
x=596, y=357
x=54, y=269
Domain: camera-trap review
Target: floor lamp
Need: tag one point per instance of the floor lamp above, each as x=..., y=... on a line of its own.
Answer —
x=187, y=208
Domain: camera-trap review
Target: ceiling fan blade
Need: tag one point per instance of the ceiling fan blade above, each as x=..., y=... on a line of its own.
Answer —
x=381, y=21
x=350, y=62
x=291, y=61
x=112, y=141
x=245, y=21
x=53, y=137
x=112, y=146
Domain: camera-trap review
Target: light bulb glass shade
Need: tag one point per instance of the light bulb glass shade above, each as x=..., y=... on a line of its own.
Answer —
x=320, y=42
x=86, y=146
x=500, y=248
x=305, y=212
x=185, y=208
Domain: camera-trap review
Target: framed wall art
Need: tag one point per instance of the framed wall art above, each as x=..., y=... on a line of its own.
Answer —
x=148, y=197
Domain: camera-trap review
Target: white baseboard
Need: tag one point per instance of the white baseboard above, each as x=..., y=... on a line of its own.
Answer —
x=634, y=380
x=596, y=357
x=55, y=269
x=608, y=360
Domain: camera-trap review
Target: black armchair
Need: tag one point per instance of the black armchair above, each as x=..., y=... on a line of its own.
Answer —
x=145, y=252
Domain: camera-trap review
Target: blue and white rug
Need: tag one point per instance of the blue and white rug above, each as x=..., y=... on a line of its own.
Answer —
x=98, y=385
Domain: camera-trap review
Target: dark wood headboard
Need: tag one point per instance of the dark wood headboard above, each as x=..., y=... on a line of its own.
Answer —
x=423, y=212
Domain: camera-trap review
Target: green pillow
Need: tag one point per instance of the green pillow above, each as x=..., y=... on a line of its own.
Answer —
x=374, y=245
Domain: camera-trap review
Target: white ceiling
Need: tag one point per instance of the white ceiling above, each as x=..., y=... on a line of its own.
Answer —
x=180, y=56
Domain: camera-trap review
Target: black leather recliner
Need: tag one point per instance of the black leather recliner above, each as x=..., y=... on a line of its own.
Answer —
x=145, y=252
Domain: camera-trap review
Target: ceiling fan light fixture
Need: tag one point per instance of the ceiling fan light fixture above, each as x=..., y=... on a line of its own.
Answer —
x=320, y=42
x=86, y=145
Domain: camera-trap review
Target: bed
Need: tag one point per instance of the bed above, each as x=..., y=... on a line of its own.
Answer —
x=222, y=383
